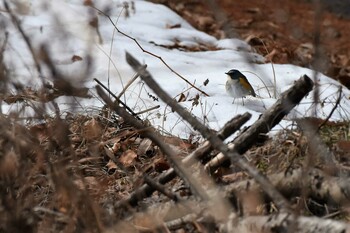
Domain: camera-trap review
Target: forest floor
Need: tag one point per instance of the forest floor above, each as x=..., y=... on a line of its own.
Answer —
x=66, y=175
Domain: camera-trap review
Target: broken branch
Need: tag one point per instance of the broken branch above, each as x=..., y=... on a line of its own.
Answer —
x=216, y=142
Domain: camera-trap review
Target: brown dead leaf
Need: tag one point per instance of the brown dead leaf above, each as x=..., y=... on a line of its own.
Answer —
x=65, y=87
x=88, y=3
x=40, y=132
x=89, y=182
x=76, y=58
x=22, y=95
x=111, y=167
x=127, y=143
x=161, y=165
x=58, y=130
x=92, y=129
x=344, y=76
x=341, y=59
x=126, y=133
x=251, y=201
x=182, y=98
x=305, y=53
x=179, y=144
x=206, y=82
x=254, y=10
x=75, y=127
x=116, y=147
x=254, y=40
x=109, y=153
x=178, y=25
x=128, y=158
x=13, y=99
x=9, y=165
x=76, y=139
x=233, y=177
x=244, y=23
x=205, y=21
x=94, y=22
x=343, y=145
x=271, y=55
x=195, y=100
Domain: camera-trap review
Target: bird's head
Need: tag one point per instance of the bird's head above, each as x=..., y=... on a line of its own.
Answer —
x=234, y=74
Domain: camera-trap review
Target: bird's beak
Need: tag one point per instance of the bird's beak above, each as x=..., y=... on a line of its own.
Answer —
x=226, y=73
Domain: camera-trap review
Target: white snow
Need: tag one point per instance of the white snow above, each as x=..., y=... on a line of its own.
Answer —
x=63, y=27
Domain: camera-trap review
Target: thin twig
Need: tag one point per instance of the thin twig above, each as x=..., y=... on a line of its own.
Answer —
x=3, y=47
x=148, y=52
x=181, y=222
x=60, y=216
x=4, y=79
x=160, y=188
x=148, y=110
x=129, y=83
x=117, y=99
x=216, y=142
x=150, y=132
x=317, y=59
x=25, y=37
x=273, y=71
x=145, y=190
x=333, y=109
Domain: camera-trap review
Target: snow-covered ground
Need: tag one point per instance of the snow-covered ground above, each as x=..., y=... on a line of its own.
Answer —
x=63, y=26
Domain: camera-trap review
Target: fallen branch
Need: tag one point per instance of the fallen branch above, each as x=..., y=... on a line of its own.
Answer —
x=215, y=141
x=160, y=188
x=145, y=190
x=117, y=100
x=285, y=223
x=317, y=184
x=149, y=132
x=131, y=81
x=271, y=117
x=148, y=110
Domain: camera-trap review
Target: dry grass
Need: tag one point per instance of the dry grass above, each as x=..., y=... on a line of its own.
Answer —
x=66, y=175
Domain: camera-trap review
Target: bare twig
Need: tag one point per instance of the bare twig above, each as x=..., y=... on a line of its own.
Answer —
x=25, y=37
x=129, y=83
x=145, y=190
x=148, y=110
x=216, y=142
x=60, y=216
x=4, y=79
x=148, y=52
x=117, y=99
x=181, y=222
x=333, y=109
x=156, y=186
x=149, y=132
x=317, y=58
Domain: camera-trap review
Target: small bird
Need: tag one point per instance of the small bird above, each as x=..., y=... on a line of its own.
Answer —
x=237, y=85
